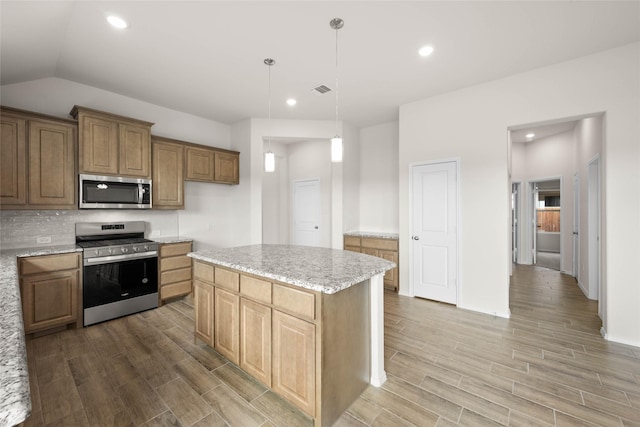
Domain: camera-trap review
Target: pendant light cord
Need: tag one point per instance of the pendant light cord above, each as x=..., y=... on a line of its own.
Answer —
x=337, y=81
x=269, y=136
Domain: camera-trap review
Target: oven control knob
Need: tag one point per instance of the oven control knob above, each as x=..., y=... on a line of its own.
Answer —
x=125, y=250
x=136, y=249
x=146, y=248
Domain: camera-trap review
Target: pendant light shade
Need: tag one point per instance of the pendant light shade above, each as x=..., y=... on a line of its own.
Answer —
x=336, y=141
x=269, y=161
x=336, y=149
x=269, y=157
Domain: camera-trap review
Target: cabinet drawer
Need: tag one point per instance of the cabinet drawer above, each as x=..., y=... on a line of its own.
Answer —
x=227, y=279
x=351, y=241
x=46, y=263
x=175, y=289
x=352, y=248
x=295, y=301
x=174, y=263
x=173, y=276
x=387, y=244
x=203, y=271
x=174, y=249
x=257, y=289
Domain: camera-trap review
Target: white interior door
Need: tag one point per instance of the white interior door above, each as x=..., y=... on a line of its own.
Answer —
x=534, y=222
x=593, y=227
x=515, y=214
x=306, y=213
x=434, y=252
x=576, y=226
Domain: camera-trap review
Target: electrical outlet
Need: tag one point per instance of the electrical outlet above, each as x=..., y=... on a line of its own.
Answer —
x=43, y=239
x=155, y=233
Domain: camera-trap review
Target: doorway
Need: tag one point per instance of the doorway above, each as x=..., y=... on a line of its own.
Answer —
x=546, y=209
x=515, y=215
x=434, y=231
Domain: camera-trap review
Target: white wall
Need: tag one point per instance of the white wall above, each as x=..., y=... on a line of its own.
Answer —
x=471, y=124
x=275, y=197
x=297, y=131
x=210, y=214
x=379, y=178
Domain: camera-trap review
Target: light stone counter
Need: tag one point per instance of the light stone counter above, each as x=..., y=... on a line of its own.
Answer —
x=15, y=401
x=319, y=269
x=374, y=234
x=171, y=239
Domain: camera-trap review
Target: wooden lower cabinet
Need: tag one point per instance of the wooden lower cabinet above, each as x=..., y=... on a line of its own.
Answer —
x=310, y=348
x=175, y=270
x=50, y=287
x=255, y=340
x=226, y=325
x=204, y=309
x=294, y=362
x=385, y=248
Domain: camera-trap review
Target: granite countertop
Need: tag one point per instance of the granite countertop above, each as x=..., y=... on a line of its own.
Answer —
x=15, y=400
x=320, y=269
x=171, y=239
x=375, y=234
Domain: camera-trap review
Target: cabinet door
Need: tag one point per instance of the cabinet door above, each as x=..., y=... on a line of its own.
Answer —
x=52, y=164
x=294, y=361
x=227, y=325
x=135, y=150
x=49, y=300
x=98, y=145
x=200, y=164
x=369, y=251
x=390, y=276
x=168, y=175
x=203, y=302
x=255, y=340
x=226, y=168
x=13, y=175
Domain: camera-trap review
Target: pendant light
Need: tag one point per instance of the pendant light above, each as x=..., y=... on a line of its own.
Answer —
x=269, y=157
x=336, y=141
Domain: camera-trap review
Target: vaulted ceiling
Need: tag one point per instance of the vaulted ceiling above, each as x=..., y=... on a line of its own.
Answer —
x=206, y=57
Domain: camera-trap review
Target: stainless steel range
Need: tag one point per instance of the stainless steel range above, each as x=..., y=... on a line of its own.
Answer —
x=120, y=274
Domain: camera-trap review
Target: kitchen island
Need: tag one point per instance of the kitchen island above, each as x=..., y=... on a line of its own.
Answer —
x=305, y=321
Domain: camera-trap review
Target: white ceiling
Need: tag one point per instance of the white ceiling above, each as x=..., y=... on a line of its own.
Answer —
x=541, y=131
x=206, y=57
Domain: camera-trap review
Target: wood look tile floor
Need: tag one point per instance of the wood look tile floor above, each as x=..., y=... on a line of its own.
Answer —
x=545, y=366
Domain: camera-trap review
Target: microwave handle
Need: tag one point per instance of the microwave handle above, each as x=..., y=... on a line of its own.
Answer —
x=140, y=192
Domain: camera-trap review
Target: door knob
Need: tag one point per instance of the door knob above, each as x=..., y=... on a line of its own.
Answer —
x=316, y=227
x=415, y=237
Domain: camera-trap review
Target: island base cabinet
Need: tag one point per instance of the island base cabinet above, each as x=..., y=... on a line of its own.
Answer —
x=226, y=325
x=255, y=340
x=294, y=363
x=203, y=302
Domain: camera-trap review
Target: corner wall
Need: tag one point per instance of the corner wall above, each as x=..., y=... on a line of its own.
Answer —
x=471, y=124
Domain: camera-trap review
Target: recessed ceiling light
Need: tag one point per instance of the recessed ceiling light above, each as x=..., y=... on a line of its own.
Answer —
x=530, y=135
x=291, y=102
x=117, y=22
x=425, y=50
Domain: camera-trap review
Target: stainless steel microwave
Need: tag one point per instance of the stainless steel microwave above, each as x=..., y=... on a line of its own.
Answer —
x=114, y=192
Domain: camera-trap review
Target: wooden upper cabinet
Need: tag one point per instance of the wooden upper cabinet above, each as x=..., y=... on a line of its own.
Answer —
x=38, y=160
x=13, y=175
x=52, y=164
x=113, y=145
x=135, y=150
x=226, y=167
x=212, y=165
x=200, y=164
x=168, y=174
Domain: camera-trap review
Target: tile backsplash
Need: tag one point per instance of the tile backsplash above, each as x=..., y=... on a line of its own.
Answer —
x=27, y=228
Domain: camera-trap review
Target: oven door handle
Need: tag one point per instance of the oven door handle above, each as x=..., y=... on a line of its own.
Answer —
x=113, y=258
